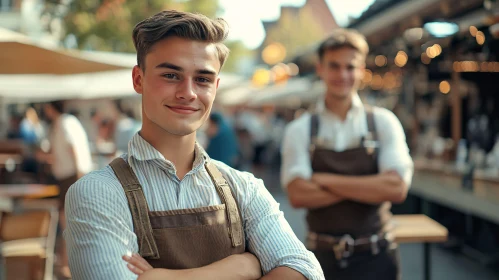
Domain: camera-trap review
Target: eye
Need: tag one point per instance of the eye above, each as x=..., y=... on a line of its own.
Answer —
x=170, y=76
x=203, y=80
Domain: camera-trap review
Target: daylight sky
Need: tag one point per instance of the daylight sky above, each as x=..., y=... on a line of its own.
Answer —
x=244, y=17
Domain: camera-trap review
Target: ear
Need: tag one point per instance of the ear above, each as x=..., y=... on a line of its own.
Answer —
x=363, y=70
x=318, y=68
x=137, y=75
x=218, y=82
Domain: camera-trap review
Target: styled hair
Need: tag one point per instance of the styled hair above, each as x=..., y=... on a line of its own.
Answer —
x=344, y=38
x=58, y=105
x=185, y=25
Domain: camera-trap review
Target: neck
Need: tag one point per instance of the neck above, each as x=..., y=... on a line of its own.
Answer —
x=338, y=106
x=177, y=149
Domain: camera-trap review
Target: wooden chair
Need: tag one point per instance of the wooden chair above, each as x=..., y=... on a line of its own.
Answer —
x=28, y=241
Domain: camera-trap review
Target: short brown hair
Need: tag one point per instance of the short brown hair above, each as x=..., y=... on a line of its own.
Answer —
x=186, y=25
x=341, y=38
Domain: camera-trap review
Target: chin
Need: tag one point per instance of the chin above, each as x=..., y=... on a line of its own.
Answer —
x=340, y=94
x=182, y=130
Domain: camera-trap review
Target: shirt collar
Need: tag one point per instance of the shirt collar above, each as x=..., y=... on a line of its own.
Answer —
x=356, y=104
x=139, y=149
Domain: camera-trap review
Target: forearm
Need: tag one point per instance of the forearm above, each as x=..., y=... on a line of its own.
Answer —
x=368, y=189
x=283, y=273
x=308, y=194
x=230, y=268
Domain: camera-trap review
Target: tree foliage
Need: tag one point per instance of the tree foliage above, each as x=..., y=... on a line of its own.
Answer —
x=107, y=25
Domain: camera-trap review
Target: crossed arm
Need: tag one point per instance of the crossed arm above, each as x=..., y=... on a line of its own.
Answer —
x=307, y=189
x=240, y=267
x=98, y=235
x=326, y=189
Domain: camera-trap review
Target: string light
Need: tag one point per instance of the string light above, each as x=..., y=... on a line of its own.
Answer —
x=475, y=66
x=444, y=87
x=473, y=30
x=380, y=60
x=401, y=59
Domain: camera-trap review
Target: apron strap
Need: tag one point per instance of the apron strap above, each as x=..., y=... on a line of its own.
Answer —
x=314, y=126
x=138, y=207
x=371, y=125
x=225, y=193
x=314, y=131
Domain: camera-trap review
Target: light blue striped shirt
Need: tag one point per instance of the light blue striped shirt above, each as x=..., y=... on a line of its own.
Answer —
x=100, y=228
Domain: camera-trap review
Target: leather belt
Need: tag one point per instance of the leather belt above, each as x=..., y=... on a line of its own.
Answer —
x=345, y=246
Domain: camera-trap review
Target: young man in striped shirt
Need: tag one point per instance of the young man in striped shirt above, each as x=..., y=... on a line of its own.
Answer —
x=184, y=215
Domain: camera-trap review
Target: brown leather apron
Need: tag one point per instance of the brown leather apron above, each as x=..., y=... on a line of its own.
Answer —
x=359, y=220
x=184, y=238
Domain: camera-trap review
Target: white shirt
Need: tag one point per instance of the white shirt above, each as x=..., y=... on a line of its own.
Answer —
x=68, y=133
x=341, y=135
x=100, y=228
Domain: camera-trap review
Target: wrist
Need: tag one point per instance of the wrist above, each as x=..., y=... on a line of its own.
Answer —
x=249, y=266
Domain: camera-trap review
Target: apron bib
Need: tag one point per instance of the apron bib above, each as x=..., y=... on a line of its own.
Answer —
x=184, y=238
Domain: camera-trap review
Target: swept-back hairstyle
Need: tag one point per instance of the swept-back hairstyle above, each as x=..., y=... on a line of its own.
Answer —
x=341, y=38
x=186, y=25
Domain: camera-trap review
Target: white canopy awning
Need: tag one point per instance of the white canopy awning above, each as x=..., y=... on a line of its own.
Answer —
x=109, y=84
x=20, y=55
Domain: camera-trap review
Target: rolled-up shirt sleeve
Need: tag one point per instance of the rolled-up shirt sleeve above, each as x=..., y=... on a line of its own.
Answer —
x=99, y=231
x=295, y=151
x=271, y=238
x=393, y=150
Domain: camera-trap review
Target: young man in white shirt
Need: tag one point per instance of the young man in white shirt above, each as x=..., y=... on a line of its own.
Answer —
x=69, y=156
x=346, y=163
x=184, y=215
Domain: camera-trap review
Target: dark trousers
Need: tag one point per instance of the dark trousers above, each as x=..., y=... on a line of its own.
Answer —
x=362, y=266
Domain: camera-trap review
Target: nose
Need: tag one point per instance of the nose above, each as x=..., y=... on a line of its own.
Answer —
x=185, y=90
x=344, y=73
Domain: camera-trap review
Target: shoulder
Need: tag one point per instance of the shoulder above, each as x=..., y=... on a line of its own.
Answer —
x=242, y=183
x=385, y=118
x=67, y=118
x=234, y=175
x=70, y=122
x=97, y=186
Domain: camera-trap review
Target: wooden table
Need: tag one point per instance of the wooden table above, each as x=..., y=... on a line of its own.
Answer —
x=17, y=158
x=419, y=229
x=11, y=193
x=28, y=190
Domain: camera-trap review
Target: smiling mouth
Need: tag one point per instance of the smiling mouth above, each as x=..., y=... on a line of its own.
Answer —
x=182, y=110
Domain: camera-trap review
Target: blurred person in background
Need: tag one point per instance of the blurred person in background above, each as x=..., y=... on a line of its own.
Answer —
x=346, y=164
x=166, y=210
x=222, y=140
x=32, y=130
x=254, y=124
x=126, y=127
x=69, y=158
x=33, y=133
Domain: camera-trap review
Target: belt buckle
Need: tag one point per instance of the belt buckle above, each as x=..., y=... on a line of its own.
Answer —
x=344, y=248
x=374, y=244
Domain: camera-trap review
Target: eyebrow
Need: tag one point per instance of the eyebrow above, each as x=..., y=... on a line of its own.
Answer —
x=180, y=69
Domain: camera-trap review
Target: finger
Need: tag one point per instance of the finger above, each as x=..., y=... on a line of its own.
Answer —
x=141, y=262
x=134, y=269
x=134, y=262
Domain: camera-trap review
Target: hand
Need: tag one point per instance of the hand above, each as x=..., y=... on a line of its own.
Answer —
x=251, y=265
x=392, y=177
x=137, y=264
x=317, y=178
